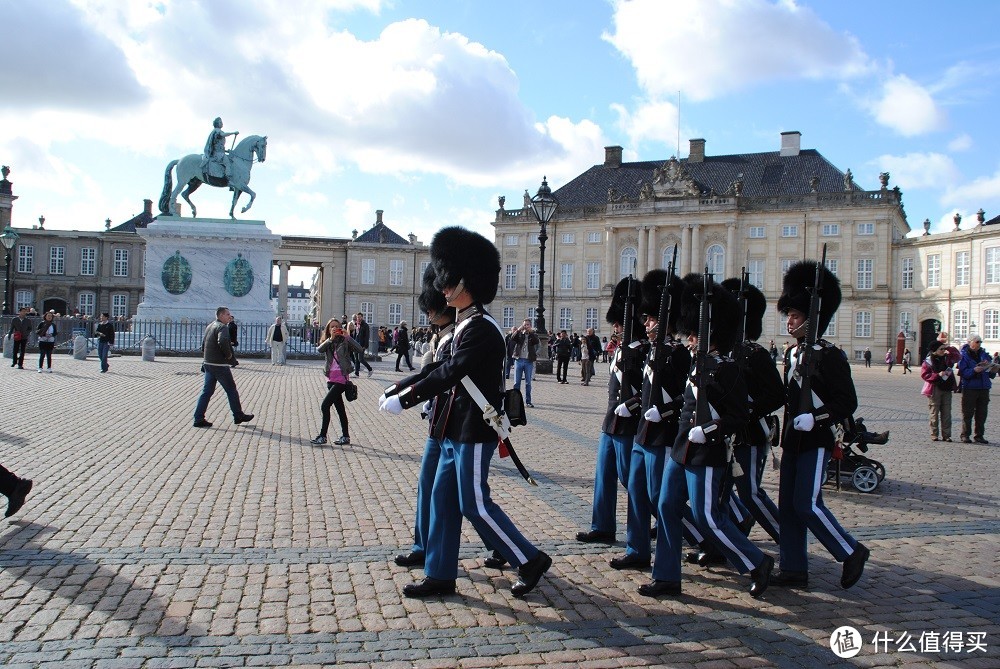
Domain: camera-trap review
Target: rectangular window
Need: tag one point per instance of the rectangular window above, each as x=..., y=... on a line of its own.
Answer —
x=833, y=264
x=533, y=276
x=119, y=305
x=757, y=232
x=934, y=271
x=593, y=275
x=530, y=315
x=395, y=272
x=593, y=237
x=905, y=322
x=991, y=324
x=23, y=298
x=566, y=276
x=424, y=264
x=88, y=262
x=831, y=329
x=57, y=260
x=25, y=259
x=962, y=268
x=863, y=324
x=87, y=302
x=756, y=271
x=785, y=264
x=565, y=319
x=395, y=314
x=368, y=271
x=368, y=309
x=789, y=231
x=907, y=279
x=866, y=272
x=568, y=238
x=866, y=228
x=590, y=318
x=831, y=229
x=121, y=263
x=508, y=318
x=510, y=277
x=960, y=324
x=422, y=319
x=992, y=265
x=533, y=240
x=510, y=240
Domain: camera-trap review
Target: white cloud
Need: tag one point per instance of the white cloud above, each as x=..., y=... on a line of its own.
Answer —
x=649, y=122
x=919, y=170
x=976, y=193
x=710, y=48
x=961, y=143
x=907, y=107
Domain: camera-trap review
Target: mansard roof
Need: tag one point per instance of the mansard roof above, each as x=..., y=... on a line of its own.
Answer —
x=380, y=233
x=762, y=174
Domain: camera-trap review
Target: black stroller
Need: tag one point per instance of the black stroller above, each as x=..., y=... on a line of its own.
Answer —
x=864, y=473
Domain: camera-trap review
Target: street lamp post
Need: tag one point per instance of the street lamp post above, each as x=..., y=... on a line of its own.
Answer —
x=544, y=206
x=8, y=239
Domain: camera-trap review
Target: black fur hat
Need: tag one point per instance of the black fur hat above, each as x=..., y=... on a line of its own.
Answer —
x=756, y=305
x=431, y=299
x=616, y=310
x=724, y=312
x=795, y=291
x=652, y=293
x=458, y=254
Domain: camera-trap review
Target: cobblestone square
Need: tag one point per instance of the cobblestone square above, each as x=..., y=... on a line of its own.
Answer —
x=149, y=543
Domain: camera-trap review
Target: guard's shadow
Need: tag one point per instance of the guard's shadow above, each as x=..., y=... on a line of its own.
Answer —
x=83, y=582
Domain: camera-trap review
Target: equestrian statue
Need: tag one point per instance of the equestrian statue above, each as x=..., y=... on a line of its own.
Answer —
x=217, y=166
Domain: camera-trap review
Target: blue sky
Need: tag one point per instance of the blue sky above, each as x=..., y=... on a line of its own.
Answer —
x=430, y=110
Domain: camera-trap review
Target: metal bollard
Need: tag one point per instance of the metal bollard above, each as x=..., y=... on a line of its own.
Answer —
x=79, y=347
x=148, y=347
x=8, y=347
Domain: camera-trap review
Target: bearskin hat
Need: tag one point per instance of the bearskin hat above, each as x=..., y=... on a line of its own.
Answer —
x=795, y=291
x=616, y=310
x=756, y=305
x=431, y=299
x=725, y=313
x=458, y=254
x=652, y=293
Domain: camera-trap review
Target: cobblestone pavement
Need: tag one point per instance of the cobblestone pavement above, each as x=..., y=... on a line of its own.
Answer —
x=148, y=543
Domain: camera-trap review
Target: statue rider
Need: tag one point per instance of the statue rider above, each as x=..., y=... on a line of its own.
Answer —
x=215, y=152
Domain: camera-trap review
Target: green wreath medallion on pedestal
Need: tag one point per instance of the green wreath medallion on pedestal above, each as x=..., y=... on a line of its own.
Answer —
x=176, y=274
x=238, y=277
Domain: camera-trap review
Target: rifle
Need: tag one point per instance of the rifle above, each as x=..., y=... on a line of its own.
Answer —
x=659, y=349
x=627, y=359
x=703, y=414
x=741, y=297
x=807, y=363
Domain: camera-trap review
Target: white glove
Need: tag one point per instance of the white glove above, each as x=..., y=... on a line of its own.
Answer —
x=804, y=422
x=381, y=400
x=391, y=405
x=653, y=415
x=428, y=405
x=622, y=410
x=696, y=435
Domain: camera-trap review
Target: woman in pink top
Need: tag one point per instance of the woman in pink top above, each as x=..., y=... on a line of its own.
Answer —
x=337, y=349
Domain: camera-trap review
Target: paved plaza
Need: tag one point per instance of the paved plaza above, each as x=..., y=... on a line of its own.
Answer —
x=149, y=543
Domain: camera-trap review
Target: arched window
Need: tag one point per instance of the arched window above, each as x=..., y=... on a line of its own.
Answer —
x=629, y=262
x=668, y=255
x=715, y=258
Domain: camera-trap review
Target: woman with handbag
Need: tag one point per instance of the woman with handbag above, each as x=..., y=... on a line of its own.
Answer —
x=337, y=348
x=46, y=340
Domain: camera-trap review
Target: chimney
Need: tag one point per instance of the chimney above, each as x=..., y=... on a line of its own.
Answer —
x=697, y=152
x=412, y=237
x=378, y=216
x=790, y=143
x=612, y=156
x=147, y=206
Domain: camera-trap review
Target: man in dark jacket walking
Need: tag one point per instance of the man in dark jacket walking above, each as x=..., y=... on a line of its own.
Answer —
x=219, y=359
x=105, y=339
x=20, y=330
x=562, y=352
x=525, y=353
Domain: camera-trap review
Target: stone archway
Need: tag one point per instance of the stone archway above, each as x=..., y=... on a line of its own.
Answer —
x=56, y=304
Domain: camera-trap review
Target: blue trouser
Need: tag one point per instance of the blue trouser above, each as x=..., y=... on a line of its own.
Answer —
x=103, y=348
x=614, y=455
x=702, y=486
x=644, y=479
x=223, y=375
x=801, y=508
x=461, y=490
x=752, y=461
x=523, y=366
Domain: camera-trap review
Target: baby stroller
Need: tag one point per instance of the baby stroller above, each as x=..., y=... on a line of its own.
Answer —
x=864, y=473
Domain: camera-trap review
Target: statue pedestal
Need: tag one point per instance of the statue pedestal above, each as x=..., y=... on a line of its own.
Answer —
x=194, y=265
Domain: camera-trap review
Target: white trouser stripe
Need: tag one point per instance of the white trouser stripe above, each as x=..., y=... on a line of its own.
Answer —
x=477, y=483
x=710, y=519
x=693, y=529
x=755, y=490
x=818, y=477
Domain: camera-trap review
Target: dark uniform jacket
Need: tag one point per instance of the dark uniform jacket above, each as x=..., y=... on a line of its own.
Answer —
x=626, y=367
x=668, y=397
x=727, y=401
x=834, y=397
x=440, y=402
x=765, y=388
x=477, y=351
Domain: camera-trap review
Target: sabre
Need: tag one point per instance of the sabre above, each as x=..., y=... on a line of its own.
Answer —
x=499, y=423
